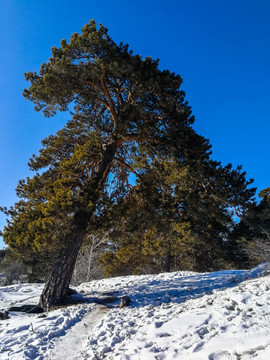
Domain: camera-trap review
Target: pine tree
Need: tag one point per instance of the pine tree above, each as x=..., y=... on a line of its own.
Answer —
x=179, y=219
x=124, y=111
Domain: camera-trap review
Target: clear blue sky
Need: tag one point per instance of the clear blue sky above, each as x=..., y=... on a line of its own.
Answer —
x=221, y=48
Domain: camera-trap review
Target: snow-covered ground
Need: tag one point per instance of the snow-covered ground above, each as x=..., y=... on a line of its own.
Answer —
x=181, y=315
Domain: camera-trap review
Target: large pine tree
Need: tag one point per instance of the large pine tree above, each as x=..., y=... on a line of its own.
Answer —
x=122, y=107
x=126, y=114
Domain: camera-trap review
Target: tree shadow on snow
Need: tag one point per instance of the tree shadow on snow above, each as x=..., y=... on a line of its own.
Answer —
x=175, y=289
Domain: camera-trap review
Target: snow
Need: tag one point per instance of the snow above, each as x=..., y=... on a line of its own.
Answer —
x=181, y=315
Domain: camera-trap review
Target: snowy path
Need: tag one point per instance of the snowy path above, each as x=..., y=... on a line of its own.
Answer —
x=73, y=340
x=61, y=334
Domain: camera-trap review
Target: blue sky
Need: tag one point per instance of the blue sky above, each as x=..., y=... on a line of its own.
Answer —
x=220, y=47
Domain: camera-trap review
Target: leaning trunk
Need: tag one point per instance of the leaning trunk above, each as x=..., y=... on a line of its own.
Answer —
x=56, y=287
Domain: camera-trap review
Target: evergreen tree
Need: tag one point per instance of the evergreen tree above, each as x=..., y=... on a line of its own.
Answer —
x=179, y=219
x=127, y=117
x=123, y=108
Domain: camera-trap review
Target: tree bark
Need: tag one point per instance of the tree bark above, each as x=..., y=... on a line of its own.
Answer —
x=168, y=258
x=167, y=261
x=56, y=287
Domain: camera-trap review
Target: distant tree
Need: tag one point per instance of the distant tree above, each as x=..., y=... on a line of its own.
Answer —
x=39, y=263
x=12, y=268
x=29, y=265
x=124, y=109
x=251, y=236
x=2, y=254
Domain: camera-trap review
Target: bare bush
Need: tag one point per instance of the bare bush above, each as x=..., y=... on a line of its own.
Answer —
x=259, y=249
x=13, y=274
x=87, y=265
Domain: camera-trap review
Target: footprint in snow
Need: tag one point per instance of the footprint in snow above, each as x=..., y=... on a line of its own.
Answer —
x=220, y=355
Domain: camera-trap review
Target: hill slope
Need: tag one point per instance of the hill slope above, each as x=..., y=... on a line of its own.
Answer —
x=181, y=315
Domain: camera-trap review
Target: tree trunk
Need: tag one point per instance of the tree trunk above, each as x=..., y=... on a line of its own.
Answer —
x=167, y=261
x=168, y=258
x=56, y=287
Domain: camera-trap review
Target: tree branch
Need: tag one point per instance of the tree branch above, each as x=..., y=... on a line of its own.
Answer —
x=104, y=103
x=112, y=109
x=99, y=100
x=92, y=84
x=121, y=161
x=119, y=97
